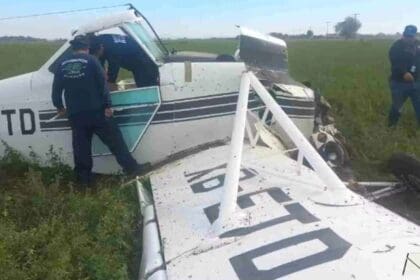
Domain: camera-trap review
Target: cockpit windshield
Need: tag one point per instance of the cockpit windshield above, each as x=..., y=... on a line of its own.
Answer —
x=147, y=39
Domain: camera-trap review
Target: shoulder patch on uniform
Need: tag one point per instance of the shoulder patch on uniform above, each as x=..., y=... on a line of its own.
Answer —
x=118, y=39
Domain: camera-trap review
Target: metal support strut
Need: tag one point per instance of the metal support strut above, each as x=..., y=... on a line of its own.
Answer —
x=305, y=149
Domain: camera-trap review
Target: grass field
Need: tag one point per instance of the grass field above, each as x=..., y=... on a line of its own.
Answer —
x=47, y=229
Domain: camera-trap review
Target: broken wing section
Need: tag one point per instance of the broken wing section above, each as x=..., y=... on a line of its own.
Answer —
x=262, y=51
x=267, y=58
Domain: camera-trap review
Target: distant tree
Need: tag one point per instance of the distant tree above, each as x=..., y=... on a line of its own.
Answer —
x=309, y=34
x=348, y=28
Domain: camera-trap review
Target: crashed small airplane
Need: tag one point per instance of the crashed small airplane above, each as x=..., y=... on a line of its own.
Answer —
x=192, y=103
x=244, y=210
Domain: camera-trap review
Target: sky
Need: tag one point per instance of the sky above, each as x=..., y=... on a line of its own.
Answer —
x=215, y=18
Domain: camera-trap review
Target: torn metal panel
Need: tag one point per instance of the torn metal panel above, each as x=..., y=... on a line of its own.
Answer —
x=267, y=57
x=263, y=52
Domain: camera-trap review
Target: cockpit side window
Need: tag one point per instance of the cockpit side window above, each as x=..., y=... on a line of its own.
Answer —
x=68, y=51
x=149, y=42
x=138, y=53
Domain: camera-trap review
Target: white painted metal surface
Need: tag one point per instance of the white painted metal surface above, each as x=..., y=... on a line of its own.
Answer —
x=374, y=184
x=251, y=33
x=152, y=265
x=230, y=189
x=283, y=232
x=107, y=22
x=144, y=197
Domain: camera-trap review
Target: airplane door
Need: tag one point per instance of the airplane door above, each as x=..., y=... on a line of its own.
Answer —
x=134, y=110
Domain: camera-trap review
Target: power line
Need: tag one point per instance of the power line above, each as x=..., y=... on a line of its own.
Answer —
x=129, y=6
x=64, y=12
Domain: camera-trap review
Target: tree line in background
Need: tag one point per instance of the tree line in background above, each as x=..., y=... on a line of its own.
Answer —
x=27, y=39
x=347, y=29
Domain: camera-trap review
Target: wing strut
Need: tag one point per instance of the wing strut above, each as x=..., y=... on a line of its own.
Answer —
x=230, y=189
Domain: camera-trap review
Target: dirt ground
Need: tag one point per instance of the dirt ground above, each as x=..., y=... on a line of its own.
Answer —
x=406, y=204
x=402, y=200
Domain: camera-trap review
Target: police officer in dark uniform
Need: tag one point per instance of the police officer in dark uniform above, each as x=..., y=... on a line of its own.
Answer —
x=88, y=107
x=121, y=51
x=405, y=78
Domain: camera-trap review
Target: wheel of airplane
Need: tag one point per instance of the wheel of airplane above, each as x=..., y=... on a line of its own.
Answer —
x=334, y=153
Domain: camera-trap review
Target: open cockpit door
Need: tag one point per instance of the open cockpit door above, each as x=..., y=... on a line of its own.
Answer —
x=134, y=109
x=145, y=40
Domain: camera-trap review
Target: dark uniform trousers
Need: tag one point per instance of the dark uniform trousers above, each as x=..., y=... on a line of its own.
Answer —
x=401, y=91
x=84, y=125
x=144, y=75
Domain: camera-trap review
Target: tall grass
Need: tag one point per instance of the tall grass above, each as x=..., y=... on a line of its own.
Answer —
x=353, y=75
x=18, y=59
x=50, y=231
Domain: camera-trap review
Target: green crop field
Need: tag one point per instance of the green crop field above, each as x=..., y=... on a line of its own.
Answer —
x=51, y=232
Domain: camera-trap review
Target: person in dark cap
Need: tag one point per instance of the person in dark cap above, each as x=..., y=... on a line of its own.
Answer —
x=121, y=51
x=88, y=106
x=405, y=74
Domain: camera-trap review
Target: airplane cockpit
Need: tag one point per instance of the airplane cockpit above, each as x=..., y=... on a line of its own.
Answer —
x=128, y=25
x=190, y=101
x=134, y=106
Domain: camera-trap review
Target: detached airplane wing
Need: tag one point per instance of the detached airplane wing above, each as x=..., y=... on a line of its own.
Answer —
x=250, y=212
x=287, y=227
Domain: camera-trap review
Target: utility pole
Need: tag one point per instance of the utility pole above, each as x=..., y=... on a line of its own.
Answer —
x=328, y=28
x=355, y=20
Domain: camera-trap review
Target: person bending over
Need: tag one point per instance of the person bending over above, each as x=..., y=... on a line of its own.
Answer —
x=120, y=51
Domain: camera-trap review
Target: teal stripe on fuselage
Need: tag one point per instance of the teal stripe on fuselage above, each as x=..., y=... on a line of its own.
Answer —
x=135, y=96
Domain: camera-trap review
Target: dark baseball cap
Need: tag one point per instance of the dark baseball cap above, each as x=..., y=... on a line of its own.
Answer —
x=94, y=43
x=410, y=31
x=80, y=42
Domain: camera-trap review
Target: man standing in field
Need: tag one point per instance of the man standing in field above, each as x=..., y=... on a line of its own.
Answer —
x=82, y=79
x=405, y=78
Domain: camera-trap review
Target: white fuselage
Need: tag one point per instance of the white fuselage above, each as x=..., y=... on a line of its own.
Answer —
x=194, y=110
x=194, y=105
